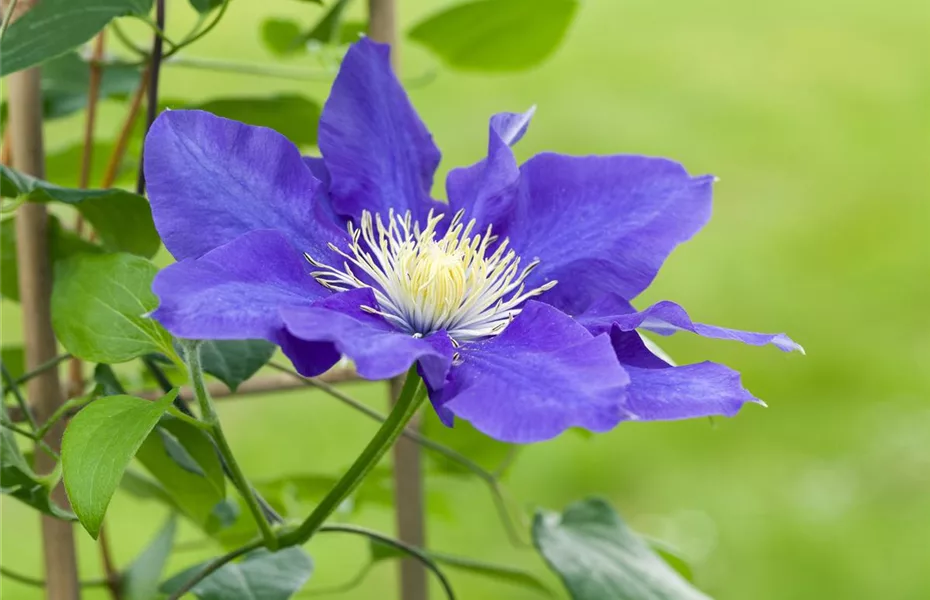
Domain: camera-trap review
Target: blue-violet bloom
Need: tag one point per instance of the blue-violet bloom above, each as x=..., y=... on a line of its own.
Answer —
x=512, y=299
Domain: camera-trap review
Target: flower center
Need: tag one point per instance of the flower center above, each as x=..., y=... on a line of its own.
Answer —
x=424, y=284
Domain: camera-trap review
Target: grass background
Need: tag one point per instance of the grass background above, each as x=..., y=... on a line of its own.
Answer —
x=815, y=117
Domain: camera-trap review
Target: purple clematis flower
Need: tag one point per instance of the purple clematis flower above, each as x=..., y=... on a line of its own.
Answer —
x=512, y=299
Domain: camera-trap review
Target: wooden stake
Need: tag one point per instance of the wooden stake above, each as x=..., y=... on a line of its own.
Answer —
x=35, y=288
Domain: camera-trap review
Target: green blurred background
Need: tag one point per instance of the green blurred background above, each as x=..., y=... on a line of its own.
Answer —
x=815, y=117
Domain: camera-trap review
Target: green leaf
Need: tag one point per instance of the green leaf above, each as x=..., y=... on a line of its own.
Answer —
x=141, y=487
x=97, y=446
x=205, y=6
x=261, y=574
x=235, y=361
x=281, y=36
x=327, y=29
x=194, y=494
x=62, y=244
x=178, y=452
x=18, y=480
x=66, y=80
x=140, y=580
x=122, y=220
x=599, y=558
x=466, y=440
x=293, y=116
x=52, y=27
x=100, y=306
x=381, y=551
x=496, y=35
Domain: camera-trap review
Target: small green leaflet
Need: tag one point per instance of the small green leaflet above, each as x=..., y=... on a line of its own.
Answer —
x=97, y=446
x=599, y=558
x=496, y=35
x=235, y=361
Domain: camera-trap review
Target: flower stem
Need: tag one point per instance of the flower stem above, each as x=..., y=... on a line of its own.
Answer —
x=208, y=414
x=411, y=396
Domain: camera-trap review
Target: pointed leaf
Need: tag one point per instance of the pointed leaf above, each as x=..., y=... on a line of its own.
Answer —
x=496, y=35
x=261, y=574
x=235, y=361
x=205, y=6
x=381, y=551
x=97, y=446
x=140, y=581
x=52, y=27
x=281, y=36
x=599, y=558
x=194, y=494
x=326, y=31
x=100, y=307
x=122, y=220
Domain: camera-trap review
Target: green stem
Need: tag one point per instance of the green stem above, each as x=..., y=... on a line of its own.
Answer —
x=49, y=364
x=193, y=37
x=36, y=582
x=208, y=414
x=10, y=384
x=212, y=568
x=61, y=411
x=128, y=43
x=177, y=414
x=7, y=17
x=213, y=64
x=490, y=479
x=416, y=553
x=157, y=30
x=16, y=429
x=411, y=396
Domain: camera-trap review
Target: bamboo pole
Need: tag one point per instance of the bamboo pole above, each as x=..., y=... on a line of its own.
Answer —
x=35, y=288
x=409, y=509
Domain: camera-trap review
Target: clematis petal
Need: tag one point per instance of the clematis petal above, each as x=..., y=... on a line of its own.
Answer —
x=236, y=292
x=666, y=318
x=542, y=375
x=603, y=224
x=486, y=189
x=661, y=392
x=211, y=180
x=378, y=153
x=378, y=350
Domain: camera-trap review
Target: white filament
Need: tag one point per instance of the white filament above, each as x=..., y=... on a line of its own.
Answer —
x=423, y=284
